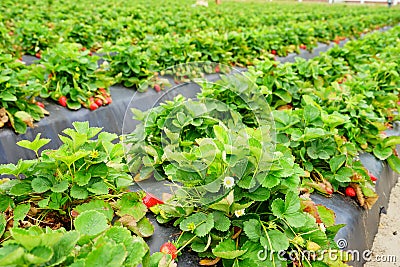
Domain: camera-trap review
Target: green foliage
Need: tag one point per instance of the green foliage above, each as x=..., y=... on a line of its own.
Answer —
x=19, y=85
x=73, y=73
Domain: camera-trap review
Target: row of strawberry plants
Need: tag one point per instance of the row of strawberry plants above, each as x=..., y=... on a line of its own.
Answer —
x=67, y=74
x=72, y=78
x=240, y=187
x=34, y=29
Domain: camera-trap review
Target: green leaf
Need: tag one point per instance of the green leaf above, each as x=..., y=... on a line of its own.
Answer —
x=145, y=227
x=5, y=202
x=336, y=162
x=252, y=228
x=99, y=188
x=391, y=141
x=275, y=240
x=327, y=215
x=11, y=255
x=97, y=205
x=91, y=223
x=21, y=188
x=35, y=145
x=271, y=181
x=64, y=247
x=198, y=223
x=278, y=208
x=292, y=203
x=60, y=187
x=296, y=219
x=107, y=255
x=344, y=174
x=137, y=250
x=39, y=255
x=312, y=133
x=82, y=178
x=6, y=96
x=221, y=222
x=310, y=114
x=130, y=204
x=20, y=212
x=79, y=192
x=226, y=249
x=159, y=259
x=199, y=246
x=382, y=153
x=394, y=163
x=3, y=224
x=40, y=185
x=221, y=134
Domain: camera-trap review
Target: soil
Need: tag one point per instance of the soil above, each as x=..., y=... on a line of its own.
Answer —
x=387, y=242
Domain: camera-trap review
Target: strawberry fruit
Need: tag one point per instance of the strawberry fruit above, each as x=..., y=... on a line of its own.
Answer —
x=149, y=200
x=350, y=192
x=157, y=87
x=39, y=104
x=373, y=177
x=273, y=52
x=98, y=102
x=63, y=101
x=169, y=248
x=93, y=106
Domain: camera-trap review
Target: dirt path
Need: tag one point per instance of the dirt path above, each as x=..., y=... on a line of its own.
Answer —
x=387, y=242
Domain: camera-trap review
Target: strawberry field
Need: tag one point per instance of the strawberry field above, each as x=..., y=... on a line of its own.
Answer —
x=236, y=169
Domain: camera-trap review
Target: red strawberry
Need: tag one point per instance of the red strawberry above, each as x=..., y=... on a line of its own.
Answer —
x=303, y=46
x=109, y=100
x=217, y=69
x=169, y=248
x=93, y=106
x=149, y=200
x=90, y=53
x=273, y=52
x=350, y=192
x=39, y=104
x=98, y=102
x=157, y=87
x=102, y=91
x=373, y=177
x=63, y=101
x=329, y=190
x=38, y=55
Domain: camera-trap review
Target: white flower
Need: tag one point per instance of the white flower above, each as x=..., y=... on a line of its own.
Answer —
x=322, y=227
x=239, y=213
x=229, y=182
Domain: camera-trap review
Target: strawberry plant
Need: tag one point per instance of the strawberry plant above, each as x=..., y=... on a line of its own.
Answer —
x=19, y=85
x=83, y=174
x=74, y=76
x=92, y=244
